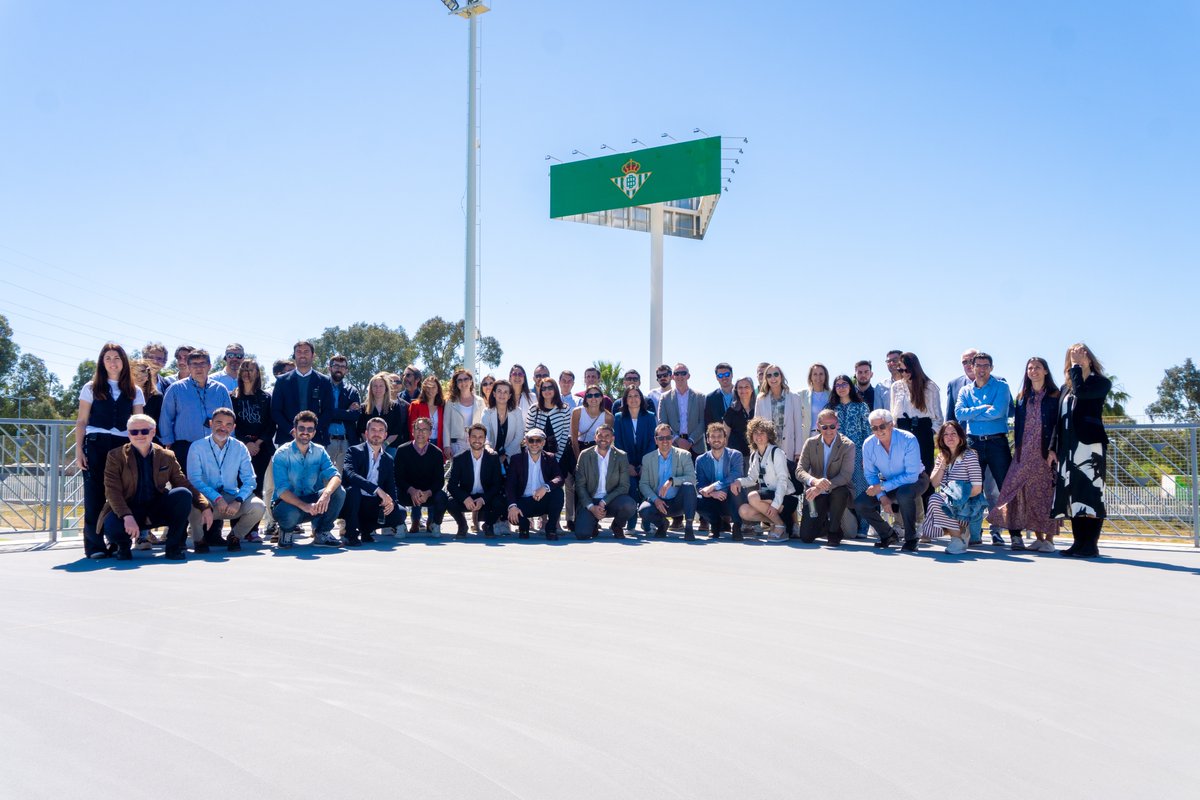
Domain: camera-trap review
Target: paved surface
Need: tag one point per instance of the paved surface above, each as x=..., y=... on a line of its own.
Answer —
x=600, y=670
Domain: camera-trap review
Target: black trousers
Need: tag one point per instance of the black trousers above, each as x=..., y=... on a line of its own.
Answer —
x=1086, y=532
x=551, y=505
x=167, y=508
x=436, y=507
x=493, y=507
x=828, y=519
x=903, y=496
x=361, y=513
x=96, y=447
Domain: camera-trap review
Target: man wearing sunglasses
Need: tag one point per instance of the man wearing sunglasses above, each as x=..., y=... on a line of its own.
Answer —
x=137, y=497
x=411, y=381
x=826, y=470
x=235, y=354
x=662, y=374
x=883, y=390
x=591, y=377
x=669, y=483
x=307, y=487
x=720, y=399
x=892, y=466
x=633, y=378
x=534, y=486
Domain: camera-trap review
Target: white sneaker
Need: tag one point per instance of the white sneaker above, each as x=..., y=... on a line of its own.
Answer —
x=956, y=547
x=1046, y=546
x=435, y=530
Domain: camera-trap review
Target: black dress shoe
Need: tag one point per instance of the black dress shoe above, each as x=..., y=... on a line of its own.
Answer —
x=233, y=544
x=835, y=541
x=581, y=536
x=660, y=534
x=460, y=535
x=175, y=555
x=352, y=541
x=618, y=534
x=366, y=537
x=738, y=536
x=714, y=534
x=124, y=555
x=552, y=536
x=200, y=548
x=523, y=535
x=689, y=536
x=885, y=543
x=910, y=545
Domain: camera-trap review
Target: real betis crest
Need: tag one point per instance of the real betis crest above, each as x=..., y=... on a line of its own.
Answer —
x=631, y=180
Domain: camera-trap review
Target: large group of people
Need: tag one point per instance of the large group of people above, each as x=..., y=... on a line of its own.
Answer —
x=839, y=458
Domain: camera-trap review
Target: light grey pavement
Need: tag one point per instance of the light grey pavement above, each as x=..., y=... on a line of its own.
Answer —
x=600, y=670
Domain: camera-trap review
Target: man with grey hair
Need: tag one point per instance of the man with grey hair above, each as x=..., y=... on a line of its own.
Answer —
x=892, y=466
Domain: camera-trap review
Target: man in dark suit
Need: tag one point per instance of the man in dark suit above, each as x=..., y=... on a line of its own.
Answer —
x=718, y=401
x=369, y=476
x=344, y=414
x=476, y=483
x=602, y=488
x=826, y=470
x=302, y=389
x=534, y=486
x=420, y=476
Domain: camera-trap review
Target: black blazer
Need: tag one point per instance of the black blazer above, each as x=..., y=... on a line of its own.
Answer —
x=341, y=412
x=356, y=466
x=462, y=477
x=416, y=471
x=1089, y=407
x=285, y=405
x=518, y=474
x=714, y=407
x=396, y=419
x=1049, y=420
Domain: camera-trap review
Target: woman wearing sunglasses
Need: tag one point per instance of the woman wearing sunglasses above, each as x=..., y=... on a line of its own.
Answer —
x=463, y=411
x=916, y=405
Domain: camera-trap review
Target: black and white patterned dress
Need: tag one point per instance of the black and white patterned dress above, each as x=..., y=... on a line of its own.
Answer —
x=1081, y=445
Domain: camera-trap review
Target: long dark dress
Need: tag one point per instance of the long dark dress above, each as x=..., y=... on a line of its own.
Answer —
x=737, y=420
x=1028, y=491
x=1081, y=444
x=255, y=424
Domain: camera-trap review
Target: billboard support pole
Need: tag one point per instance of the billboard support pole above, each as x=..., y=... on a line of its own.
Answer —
x=656, y=286
x=472, y=255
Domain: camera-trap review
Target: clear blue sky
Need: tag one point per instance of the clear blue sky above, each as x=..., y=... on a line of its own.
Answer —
x=928, y=176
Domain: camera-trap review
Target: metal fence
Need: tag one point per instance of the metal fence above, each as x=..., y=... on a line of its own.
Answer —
x=1150, y=493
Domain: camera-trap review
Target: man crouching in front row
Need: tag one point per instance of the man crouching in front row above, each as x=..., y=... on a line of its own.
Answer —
x=136, y=477
x=307, y=487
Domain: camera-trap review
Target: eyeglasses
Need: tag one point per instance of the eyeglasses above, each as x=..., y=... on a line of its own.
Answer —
x=724, y=375
x=395, y=381
x=486, y=384
x=537, y=376
x=662, y=374
x=464, y=379
x=903, y=371
x=882, y=427
x=234, y=355
x=158, y=359
x=141, y=431
x=774, y=374
x=841, y=385
x=680, y=373
x=592, y=396
x=832, y=427
x=534, y=439
x=632, y=378
x=306, y=429
x=547, y=389
x=966, y=361
x=663, y=438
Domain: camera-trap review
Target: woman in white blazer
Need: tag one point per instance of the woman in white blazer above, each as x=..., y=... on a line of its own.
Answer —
x=790, y=412
x=462, y=410
x=767, y=480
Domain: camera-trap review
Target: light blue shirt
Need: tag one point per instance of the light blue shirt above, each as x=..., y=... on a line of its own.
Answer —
x=900, y=467
x=216, y=471
x=664, y=473
x=303, y=473
x=226, y=380
x=681, y=402
x=984, y=409
x=727, y=398
x=186, y=407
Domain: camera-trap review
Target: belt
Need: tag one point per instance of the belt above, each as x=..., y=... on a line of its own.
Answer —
x=337, y=437
x=987, y=437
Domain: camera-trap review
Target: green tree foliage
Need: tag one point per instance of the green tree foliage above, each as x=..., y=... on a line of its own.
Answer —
x=439, y=345
x=1178, y=394
x=31, y=379
x=9, y=352
x=368, y=348
x=67, y=401
x=610, y=377
x=1114, y=405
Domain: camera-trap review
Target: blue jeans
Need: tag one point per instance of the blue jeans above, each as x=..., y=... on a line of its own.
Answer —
x=289, y=517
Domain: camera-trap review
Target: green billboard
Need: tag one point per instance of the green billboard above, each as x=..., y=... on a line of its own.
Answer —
x=653, y=175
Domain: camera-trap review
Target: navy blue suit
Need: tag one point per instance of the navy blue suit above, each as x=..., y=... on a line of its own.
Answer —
x=285, y=405
x=361, y=511
x=347, y=396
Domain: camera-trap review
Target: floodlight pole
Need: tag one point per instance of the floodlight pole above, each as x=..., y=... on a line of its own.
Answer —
x=656, y=286
x=471, y=11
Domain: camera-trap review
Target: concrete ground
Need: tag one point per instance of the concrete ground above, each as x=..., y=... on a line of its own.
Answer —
x=525, y=669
